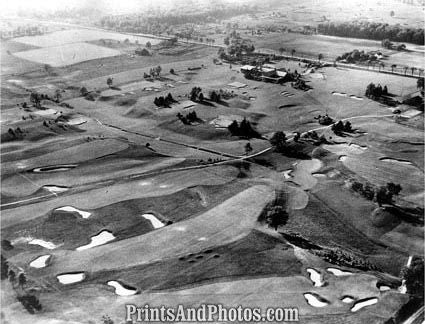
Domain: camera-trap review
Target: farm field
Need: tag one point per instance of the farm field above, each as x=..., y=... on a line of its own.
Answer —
x=109, y=197
x=66, y=54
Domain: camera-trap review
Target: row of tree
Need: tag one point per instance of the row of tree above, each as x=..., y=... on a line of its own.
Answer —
x=377, y=31
x=29, y=301
x=382, y=195
x=243, y=129
x=164, y=102
x=341, y=127
x=376, y=91
x=190, y=118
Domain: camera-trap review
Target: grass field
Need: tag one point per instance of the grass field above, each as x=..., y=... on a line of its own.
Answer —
x=128, y=158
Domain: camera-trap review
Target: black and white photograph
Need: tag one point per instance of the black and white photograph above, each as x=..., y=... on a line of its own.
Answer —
x=212, y=161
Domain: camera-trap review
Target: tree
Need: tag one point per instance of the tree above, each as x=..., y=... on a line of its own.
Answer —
x=109, y=82
x=393, y=188
x=420, y=84
x=393, y=67
x=278, y=140
x=84, y=92
x=47, y=68
x=12, y=276
x=22, y=279
x=320, y=56
x=233, y=128
x=414, y=276
x=293, y=52
x=405, y=68
x=281, y=50
x=412, y=69
x=172, y=71
x=276, y=217
x=248, y=148
x=383, y=196
x=107, y=320
x=4, y=268
x=30, y=302
x=35, y=98
x=148, y=44
x=58, y=95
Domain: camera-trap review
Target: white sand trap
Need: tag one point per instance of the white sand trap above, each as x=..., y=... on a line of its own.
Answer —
x=342, y=158
x=363, y=303
x=287, y=173
x=70, y=278
x=56, y=168
x=120, y=290
x=360, y=147
x=315, y=300
x=341, y=94
x=396, y=161
x=55, y=189
x=45, y=244
x=384, y=288
x=223, y=121
x=71, y=209
x=156, y=223
x=410, y=113
x=347, y=299
x=237, y=85
x=403, y=288
x=99, y=239
x=40, y=262
x=46, y=112
x=338, y=272
x=355, y=97
x=316, y=277
x=145, y=183
x=76, y=121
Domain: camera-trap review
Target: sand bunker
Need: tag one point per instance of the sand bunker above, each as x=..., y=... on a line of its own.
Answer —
x=347, y=299
x=55, y=189
x=70, y=278
x=40, y=262
x=396, y=161
x=363, y=303
x=315, y=300
x=45, y=244
x=99, y=239
x=46, y=112
x=384, y=288
x=355, y=97
x=156, y=223
x=286, y=174
x=341, y=94
x=55, y=168
x=71, y=209
x=338, y=272
x=302, y=175
x=316, y=277
x=122, y=290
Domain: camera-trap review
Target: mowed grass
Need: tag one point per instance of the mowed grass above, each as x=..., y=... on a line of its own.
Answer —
x=254, y=255
x=187, y=236
x=123, y=219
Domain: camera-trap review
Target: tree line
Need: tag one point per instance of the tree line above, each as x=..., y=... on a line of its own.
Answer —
x=376, y=31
